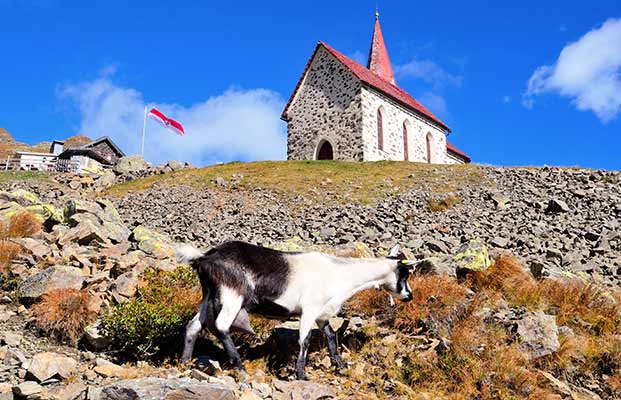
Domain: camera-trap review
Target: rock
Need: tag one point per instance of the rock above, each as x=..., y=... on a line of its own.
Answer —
x=27, y=388
x=557, y=206
x=219, y=181
x=94, y=337
x=472, y=256
x=52, y=278
x=20, y=196
x=175, y=165
x=125, y=285
x=327, y=233
x=11, y=338
x=75, y=184
x=44, y=366
x=500, y=200
x=153, y=243
x=165, y=389
x=111, y=370
x=302, y=390
x=131, y=164
x=538, y=334
x=73, y=391
x=499, y=242
x=106, y=180
x=35, y=247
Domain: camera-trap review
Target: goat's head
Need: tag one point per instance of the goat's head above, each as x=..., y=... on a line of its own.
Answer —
x=397, y=283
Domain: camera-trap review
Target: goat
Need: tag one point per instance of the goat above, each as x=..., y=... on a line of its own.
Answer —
x=237, y=278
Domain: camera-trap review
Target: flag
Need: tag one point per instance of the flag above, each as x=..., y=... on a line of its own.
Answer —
x=166, y=122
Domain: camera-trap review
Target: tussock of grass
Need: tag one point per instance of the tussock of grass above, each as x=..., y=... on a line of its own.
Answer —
x=446, y=203
x=358, y=182
x=63, y=313
x=23, y=224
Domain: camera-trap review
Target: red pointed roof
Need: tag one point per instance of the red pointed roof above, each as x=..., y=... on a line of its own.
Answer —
x=379, y=62
x=451, y=148
x=371, y=79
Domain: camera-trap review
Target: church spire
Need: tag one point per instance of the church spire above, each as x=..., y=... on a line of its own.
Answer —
x=379, y=62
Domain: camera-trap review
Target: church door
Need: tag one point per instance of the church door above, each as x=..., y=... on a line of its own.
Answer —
x=325, y=151
x=429, y=147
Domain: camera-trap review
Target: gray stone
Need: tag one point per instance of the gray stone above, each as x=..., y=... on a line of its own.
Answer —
x=44, y=366
x=131, y=164
x=11, y=338
x=175, y=165
x=557, y=206
x=165, y=389
x=94, y=337
x=499, y=242
x=303, y=390
x=538, y=334
x=27, y=388
x=52, y=278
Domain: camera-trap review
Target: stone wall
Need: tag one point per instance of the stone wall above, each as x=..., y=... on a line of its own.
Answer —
x=393, y=116
x=326, y=107
x=105, y=150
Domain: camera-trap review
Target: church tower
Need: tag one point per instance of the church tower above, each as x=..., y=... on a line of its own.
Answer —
x=379, y=63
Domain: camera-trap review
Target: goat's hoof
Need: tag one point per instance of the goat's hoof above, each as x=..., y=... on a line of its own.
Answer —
x=301, y=376
x=340, y=364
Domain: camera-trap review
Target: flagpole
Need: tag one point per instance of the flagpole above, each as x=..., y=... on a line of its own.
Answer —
x=144, y=128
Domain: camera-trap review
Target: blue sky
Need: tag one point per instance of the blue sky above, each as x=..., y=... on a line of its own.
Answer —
x=491, y=70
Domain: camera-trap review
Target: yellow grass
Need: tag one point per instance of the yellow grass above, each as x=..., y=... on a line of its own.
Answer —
x=350, y=181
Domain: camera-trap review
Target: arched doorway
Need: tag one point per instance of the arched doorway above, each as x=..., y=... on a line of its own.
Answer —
x=325, y=151
x=429, y=138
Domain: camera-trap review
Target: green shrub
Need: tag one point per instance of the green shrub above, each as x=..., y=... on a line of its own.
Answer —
x=153, y=323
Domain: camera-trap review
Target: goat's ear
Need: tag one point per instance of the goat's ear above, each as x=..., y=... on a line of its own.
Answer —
x=395, y=251
x=410, y=264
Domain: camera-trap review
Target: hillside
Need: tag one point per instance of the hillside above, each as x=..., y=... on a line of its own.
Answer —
x=8, y=145
x=518, y=296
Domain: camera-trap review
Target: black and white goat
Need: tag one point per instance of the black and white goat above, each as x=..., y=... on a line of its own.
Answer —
x=238, y=278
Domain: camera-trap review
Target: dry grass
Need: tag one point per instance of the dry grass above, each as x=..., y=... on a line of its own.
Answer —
x=443, y=204
x=354, y=181
x=8, y=251
x=478, y=358
x=63, y=313
x=24, y=224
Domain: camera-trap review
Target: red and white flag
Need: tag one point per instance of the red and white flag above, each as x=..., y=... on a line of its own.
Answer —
x=166, y=122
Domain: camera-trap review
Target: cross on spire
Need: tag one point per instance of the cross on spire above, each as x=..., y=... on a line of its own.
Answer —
x=379, y=62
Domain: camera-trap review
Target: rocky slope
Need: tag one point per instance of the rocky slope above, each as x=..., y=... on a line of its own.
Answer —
x=500, y=335
x=555, y=219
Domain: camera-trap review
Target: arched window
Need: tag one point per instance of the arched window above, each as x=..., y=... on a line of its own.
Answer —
x=380, y=130
x=406, y=156
x=429, y=139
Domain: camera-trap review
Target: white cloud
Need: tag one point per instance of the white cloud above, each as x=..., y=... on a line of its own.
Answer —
x=235, y=125
x=435, y=103
x=429, y=72
x=588, y=71
x=359, y=57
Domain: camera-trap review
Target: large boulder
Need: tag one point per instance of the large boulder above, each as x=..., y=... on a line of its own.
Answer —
x=20, y=196
x=52, y=278
x=161, y=389
x=302, y=390
x=131, y=165
x=44, y=366
x=93, y=221
x=538, y=334
x=153, y=243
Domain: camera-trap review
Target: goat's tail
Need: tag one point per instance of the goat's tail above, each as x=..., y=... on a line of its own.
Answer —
x=187, y=254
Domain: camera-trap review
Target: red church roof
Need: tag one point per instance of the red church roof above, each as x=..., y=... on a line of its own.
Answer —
x=455, y=150
x=371, y=79
x=379, y=63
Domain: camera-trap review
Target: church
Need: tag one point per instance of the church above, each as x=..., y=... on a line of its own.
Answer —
x=342, y=110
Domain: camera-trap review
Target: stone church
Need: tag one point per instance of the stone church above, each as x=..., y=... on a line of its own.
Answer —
x=342, y=110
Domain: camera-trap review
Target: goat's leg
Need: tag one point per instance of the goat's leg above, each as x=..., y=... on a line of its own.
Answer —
x=306, y=323
x=332, y=344
x=193, y=329
x=231, y=305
